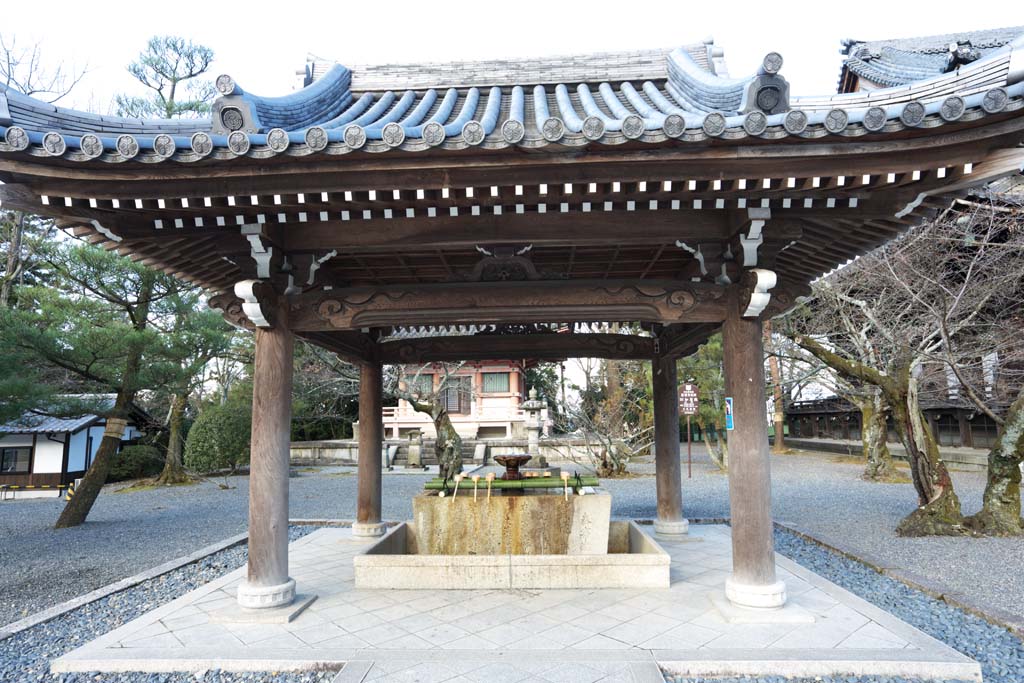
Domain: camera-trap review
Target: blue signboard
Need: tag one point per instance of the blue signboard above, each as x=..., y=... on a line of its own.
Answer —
x=728, y=413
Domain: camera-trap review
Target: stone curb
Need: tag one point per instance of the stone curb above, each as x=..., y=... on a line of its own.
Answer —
x=102, y=592
x=1011, y=622
x=55, y=611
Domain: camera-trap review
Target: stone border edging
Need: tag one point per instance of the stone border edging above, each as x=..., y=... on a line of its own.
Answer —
x=62, y=608
x=1011, y=622
x=15, y=627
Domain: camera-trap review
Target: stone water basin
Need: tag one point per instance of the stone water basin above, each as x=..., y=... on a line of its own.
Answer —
x=525, y=541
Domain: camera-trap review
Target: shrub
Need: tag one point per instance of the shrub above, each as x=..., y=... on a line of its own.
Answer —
x=219, y=438
x=134, y=462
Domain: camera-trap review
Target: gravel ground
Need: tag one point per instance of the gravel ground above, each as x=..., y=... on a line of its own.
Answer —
x=129, y=532
x=26, y=656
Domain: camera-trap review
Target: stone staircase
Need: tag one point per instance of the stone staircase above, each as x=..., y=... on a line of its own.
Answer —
x=427, y=456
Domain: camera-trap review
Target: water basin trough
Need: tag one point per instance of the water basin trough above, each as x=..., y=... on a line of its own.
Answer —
x=527, y=541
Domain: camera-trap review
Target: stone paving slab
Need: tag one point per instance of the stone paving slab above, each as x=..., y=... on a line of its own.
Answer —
x=570, y=635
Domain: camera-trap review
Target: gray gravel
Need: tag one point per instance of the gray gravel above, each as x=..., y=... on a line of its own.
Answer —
x=825, y=497
x=26, y=656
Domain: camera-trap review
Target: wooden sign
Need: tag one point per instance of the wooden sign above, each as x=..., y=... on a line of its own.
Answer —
x=689, y=399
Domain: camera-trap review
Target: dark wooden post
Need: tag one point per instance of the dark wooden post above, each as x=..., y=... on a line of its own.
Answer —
x=966, y=438
x=268, y=583
x=371, y=434
x=669, y=483
x=753, y=582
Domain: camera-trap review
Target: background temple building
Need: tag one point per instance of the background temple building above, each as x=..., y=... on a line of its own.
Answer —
x=482, y=399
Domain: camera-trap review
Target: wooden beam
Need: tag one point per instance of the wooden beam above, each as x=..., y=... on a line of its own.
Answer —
x=539, y=346
x=663, y=301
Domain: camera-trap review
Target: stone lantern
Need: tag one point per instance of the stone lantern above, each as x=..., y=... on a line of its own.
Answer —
x=533, y=408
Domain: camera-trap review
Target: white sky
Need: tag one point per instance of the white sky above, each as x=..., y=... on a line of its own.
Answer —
x=262, y=44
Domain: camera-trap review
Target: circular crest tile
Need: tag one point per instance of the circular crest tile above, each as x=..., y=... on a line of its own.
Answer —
x=238, y=142
x=393, y=134
x=952, y=108
x=127, y=146
x=17, y=138
x=795, y=122
x=277, y=140
x=755, y=123
x=202, y=144
x=54, y=144
x=674, y=125
x=433, y=133
x=225, y=84
x=772, y=63
x=713, y=124
x=633, y=126
x=355, y=136
x=874, y=119
x=553, y=129
x=912, y=114
x=995, y=100
x=316, y=138
x=163, y=145
x=593, y=128
x=473, y=132
x=513, y=131
x=91, y=145
x=836, y=120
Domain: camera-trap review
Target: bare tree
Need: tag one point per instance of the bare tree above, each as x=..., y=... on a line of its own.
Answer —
x=430, y=390
x=898, y=319
x=612, y=418
x=22, y=68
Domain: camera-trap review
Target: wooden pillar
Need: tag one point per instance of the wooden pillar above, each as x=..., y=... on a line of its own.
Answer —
x=268, y=583
x=753, y=582
x=966, y=439
x=670, y=520
x=371, y=434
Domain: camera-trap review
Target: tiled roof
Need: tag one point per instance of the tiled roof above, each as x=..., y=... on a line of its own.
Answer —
x=905, y=60
x=32, y=423
x=576, y=102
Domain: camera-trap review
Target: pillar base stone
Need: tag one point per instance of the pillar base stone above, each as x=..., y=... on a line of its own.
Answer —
x=368, y=529
x=263, y=597
x=762, y=596
x=675, y=527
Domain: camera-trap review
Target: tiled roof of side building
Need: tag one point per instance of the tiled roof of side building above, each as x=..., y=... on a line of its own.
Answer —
x=609, y=99
x=901, y=61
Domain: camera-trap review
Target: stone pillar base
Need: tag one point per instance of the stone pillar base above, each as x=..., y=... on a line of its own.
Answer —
x=675, y=527
x=368, y=529
x=764, y=596
x=262, y=597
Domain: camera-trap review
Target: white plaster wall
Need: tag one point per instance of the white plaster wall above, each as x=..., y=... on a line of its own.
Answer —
x=49, y=456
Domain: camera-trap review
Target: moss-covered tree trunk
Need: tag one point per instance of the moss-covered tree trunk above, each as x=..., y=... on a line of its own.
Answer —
x=938, y=513
x=719, y=454
x=1000, y=513
x=874, y=436
x=174, y=470
x=77, y=509
x=448, y=445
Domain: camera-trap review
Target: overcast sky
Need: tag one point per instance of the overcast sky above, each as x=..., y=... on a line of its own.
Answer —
x=262, y=44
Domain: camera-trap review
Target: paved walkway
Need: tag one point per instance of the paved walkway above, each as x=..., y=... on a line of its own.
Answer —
x=570, y=635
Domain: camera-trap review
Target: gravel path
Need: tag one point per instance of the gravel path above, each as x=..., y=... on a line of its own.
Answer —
x=129, y=532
